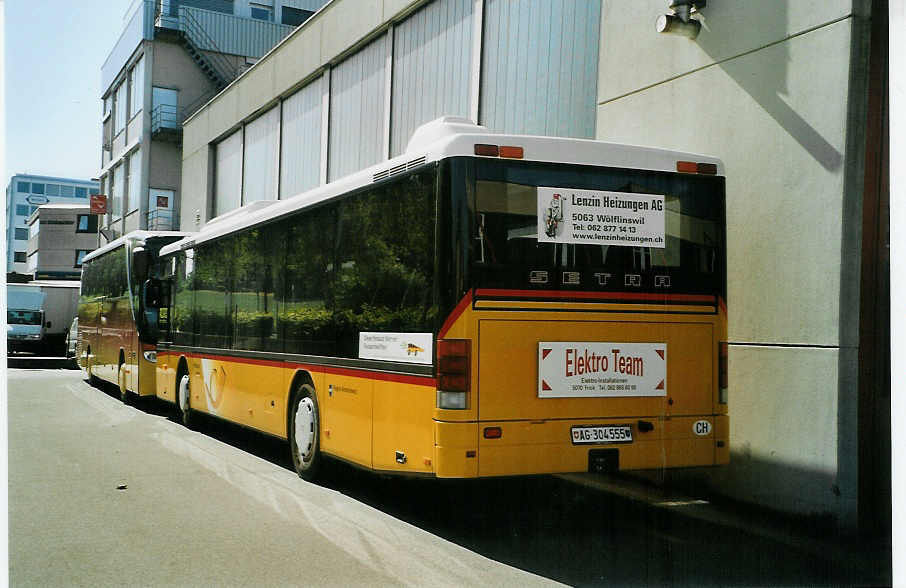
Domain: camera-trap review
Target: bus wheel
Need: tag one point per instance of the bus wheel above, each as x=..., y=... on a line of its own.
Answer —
x=304, y=430
x=121, y=380
x=92, y=379
x=184, y=411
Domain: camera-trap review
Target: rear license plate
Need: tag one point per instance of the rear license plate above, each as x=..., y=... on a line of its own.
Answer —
x=601, y=434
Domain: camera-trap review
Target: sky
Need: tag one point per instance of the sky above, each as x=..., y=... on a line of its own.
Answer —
x=53, y=52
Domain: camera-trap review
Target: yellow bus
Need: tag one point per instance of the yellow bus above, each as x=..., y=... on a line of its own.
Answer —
x=115, y=338
x=483, y=305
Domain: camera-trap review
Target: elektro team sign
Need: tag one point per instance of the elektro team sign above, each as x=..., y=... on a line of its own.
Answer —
x=597, y=217
x=600, y=369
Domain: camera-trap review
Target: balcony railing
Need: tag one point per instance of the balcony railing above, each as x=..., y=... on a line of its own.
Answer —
x=160, y=219
x=165, y=117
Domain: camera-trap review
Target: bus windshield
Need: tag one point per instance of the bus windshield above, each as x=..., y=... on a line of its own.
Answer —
x=506, y=252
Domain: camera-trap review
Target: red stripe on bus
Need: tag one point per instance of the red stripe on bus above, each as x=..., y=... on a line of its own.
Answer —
x=460, y=308
x=723, y=304
x=382, y=376
x=337, y=371
x=593, y=295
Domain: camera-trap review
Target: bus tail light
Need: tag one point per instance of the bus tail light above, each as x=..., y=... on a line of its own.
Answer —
x=508, y=151
x=692, y=167
x=722, y=378
x=493, y=432
x=453, y=366
x=487, y=150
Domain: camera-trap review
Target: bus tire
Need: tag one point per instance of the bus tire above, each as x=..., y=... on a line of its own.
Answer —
x=121, y=382
x=304, y=432
x=183, y=399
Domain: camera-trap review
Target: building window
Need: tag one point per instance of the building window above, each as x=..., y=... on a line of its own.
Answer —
x=37, y=188
x=82, y=192
x=87, y=223
x=53, y=189
x=294, y=16
x=133, y=198
x=80, y=255
x=137, y=87
x=119, y=109
x=23, y=187
x=22, y=210
x=19, y=257
x=21, y=234
x=32, y=210
x=262, y=13
x=92, y=191
x=66, y=191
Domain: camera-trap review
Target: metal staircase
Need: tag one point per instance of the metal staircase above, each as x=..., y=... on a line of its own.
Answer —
x=212, y=62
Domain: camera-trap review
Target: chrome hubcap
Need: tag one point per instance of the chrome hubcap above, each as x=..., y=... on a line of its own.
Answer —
x=184, y=393
x=305, y=428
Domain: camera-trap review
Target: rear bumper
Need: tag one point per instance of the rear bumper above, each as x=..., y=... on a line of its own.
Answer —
x=544, y=447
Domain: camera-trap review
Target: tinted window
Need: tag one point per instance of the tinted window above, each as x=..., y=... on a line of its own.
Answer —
x=82, y=192
x=23, y=187
x=22, y=210
x=87, y=223
x=53, y=189
x=37, y=188
x=294, y=16
x=67, y=191
x=182, y=324
x=213, y=263
x=259, y=255
x=307, y=317
x=80, y=255
x=19, y=257
x=21, y=234
x=506, y=252
x=261, y=13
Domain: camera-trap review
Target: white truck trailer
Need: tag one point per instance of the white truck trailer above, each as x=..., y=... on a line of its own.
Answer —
x=39, y=314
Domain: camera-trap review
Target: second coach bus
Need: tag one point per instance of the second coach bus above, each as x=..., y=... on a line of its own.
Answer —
x=483, y=305
x=116, y=333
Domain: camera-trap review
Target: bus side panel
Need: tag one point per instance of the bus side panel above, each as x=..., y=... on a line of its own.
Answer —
x=89, y=315
x=165, y=370
x=346, y=414
x=147, y=374
x=402, y=424
x=240, y=391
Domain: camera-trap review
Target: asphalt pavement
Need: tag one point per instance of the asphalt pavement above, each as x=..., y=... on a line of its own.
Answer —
x=102, y=493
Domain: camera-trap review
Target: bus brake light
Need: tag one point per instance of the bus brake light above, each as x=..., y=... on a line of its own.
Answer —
x=488, y=150
x=691, y=167
x=453, y=367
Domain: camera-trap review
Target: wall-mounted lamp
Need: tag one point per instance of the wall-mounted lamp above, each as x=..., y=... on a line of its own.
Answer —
x=681, y=21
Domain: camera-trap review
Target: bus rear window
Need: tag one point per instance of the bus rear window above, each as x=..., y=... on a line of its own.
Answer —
x=506, y=251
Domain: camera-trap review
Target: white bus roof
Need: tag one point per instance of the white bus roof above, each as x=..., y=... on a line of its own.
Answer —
x=449, y=136
x=133, y=236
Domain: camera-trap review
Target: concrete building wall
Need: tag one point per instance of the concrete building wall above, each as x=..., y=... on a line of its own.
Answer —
x=775, y=89
x=56, y=242
x=174, y=69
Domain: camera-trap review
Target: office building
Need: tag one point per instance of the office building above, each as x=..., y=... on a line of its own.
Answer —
x=171, y=58
x=24, y=194
x=59, y=237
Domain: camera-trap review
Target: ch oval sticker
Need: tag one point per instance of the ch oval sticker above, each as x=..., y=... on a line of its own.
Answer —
x=702, y=428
